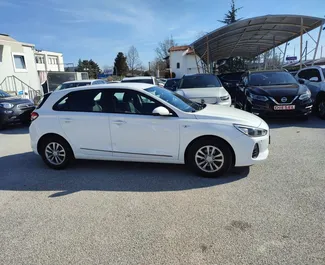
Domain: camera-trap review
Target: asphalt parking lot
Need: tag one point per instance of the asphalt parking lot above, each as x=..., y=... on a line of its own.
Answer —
x=128, y=213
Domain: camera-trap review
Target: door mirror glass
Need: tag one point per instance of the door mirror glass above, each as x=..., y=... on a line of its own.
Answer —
x=301, y=81
x=314, y=79
x=161, y=111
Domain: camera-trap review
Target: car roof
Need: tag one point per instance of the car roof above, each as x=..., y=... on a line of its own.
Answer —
x=80, y=81
x=196, y=75
x=134, y=86
x=137, y=78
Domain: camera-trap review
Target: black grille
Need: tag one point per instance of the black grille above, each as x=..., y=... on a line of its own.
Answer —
x=256, y=151
x=289, y=99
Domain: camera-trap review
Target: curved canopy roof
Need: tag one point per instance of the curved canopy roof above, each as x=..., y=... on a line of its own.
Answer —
x=251, y=37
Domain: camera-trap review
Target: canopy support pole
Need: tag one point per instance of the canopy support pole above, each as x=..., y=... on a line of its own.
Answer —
x=285, y=51
x=317, y=43
x=301, y=39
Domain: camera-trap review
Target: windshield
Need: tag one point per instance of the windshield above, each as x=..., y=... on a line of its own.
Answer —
x=4, y=94
x=271, y=78
x=199, y=81
x=175, y=99
x=70, y=85
x=146, y=81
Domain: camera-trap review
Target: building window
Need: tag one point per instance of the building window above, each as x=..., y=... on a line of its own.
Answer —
x=178, y=65
x=39, y=59
x=19, y=62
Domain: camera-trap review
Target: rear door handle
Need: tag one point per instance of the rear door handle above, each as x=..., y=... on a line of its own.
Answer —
x=119, y=122
x=67, y=120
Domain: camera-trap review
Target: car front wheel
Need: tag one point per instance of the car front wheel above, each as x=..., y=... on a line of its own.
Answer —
x=56, y=153
x=320, y=108
x=210, y=157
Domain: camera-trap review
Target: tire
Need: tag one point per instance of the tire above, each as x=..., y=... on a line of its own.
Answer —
x=200, y=162
x=320, y=107
x=64, y=154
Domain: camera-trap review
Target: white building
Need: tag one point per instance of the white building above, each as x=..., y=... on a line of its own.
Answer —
x=18, y=73
x=182, y=61
x=49, y=61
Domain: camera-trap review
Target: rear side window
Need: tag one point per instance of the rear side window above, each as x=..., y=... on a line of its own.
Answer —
x=85, y=101
x=42, y=100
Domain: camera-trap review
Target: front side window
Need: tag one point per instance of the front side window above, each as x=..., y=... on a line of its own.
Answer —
x=175, y=99
x=271, y=78
x=19, y=61
x=199, y=81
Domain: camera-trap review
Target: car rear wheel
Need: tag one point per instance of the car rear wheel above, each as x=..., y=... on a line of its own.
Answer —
x=56, y=153
x=210, y=157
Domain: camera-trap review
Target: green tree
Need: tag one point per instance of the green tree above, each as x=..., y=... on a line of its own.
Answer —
x=120, y=65
x=237, y=63
x=90, y=67
x=231, y=16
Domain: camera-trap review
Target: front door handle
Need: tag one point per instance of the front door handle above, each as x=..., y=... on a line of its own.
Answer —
x=119, y=122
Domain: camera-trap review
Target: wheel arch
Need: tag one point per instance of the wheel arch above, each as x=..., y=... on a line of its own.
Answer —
x=52, y=135
x=209, y=137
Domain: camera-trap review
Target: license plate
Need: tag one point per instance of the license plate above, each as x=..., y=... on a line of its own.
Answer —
x=285, y=107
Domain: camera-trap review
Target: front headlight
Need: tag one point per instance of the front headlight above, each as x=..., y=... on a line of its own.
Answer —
x=224, y=98
x=257, y=97
x=306, y=95
x=251, y=131
x=6, y=105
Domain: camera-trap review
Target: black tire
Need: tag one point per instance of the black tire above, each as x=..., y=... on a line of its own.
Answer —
x=320, y=107
x=50, y=142
x=221, y=147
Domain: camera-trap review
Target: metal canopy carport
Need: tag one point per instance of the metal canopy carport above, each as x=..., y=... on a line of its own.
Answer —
x=254, y=36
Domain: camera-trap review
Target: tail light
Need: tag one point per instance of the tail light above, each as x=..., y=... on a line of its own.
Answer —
x=33, y=116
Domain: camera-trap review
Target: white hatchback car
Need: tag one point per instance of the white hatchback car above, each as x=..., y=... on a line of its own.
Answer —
x=204, y=88
x=145, y=123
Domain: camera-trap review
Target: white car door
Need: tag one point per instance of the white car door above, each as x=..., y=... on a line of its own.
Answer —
x=137, y=134
x=85, y=124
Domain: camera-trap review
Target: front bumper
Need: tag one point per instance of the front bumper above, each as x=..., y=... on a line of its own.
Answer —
x=15, y=115
x=266, y=109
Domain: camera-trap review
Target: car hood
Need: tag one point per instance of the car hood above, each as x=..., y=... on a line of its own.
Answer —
x=15, y=100
x=228, y=114
x=279, y=90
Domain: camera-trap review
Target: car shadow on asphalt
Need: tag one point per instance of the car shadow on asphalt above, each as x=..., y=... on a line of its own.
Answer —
x=26, y=172
x=313, y=122
x=15, y=129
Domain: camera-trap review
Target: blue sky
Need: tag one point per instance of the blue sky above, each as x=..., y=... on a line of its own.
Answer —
x=98, y=29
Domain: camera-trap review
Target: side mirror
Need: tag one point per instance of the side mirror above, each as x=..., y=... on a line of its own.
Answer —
x=161, y=111
x=313, y=79
x=301, y=81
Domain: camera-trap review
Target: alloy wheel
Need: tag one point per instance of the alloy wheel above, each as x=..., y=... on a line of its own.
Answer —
x=321, y=108
x=209, y=158
x=55, y=153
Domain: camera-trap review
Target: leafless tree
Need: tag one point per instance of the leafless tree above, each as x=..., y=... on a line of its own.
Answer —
x=163, y=47
x=133, y=60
